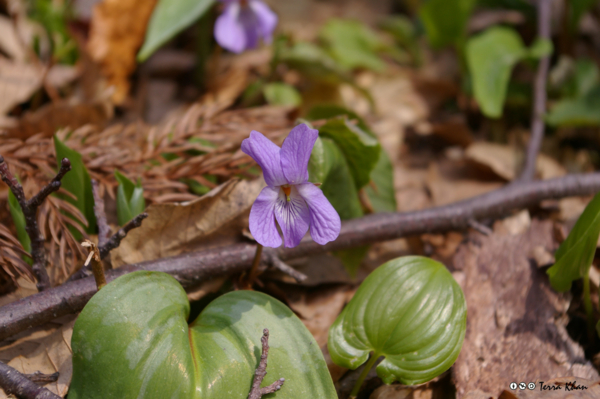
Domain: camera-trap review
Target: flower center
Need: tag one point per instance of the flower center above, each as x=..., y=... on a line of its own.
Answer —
x=287, y=190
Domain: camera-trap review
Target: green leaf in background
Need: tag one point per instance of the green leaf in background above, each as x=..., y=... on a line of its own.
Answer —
x=445, y=21
x=491, y=57
x=132, y=340
x=78, y=183
x=314, y=63
x=327, y=111
x=580, y=111
x=585, y=77
x=381, y=189
x=130, y=199
x=19, y=220
x=278, y=93
x=330, y=167
x=360, y=149
x=168, y=19
x=540, y=48
x=405, y=35
x=410, y=310
x=353, y=44
x=574, y=256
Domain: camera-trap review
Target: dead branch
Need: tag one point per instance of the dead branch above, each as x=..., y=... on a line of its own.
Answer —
x=257, y=392
x=276, y=263
x=194, y=267
x=15, y=383
x=113, y=242
x=29, y=208
x=539, y=88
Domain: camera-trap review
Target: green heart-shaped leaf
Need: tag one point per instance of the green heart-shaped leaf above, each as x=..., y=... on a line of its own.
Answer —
x=574, y=256
x=132, y=340
x=491, y=57
x=410, y=310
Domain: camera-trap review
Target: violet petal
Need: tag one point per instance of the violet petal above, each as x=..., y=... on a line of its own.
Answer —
x=293, y=217
x=325, y=222
x=266, y=20
x=262, y=219
x=229, y=31
x=295, y=153
x=266, y=154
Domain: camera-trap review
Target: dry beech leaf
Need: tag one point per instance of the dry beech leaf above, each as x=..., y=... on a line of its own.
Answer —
x=445, y=191
x=402, y=392
x=46, y=353
x=504, y=161
x=18, y=81
x=54, y=116
x=319, y=309
x=170, y=229
x=116, y=33
x=515, y=325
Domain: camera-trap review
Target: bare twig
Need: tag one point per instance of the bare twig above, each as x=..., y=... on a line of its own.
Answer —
x=539, y=101
x=42, y=379
x=93, y=259
x=15, y=383
x=193, y=267
x=103, y=227
x=29, y=208
x=113, y=242
x=482, y=228
x=253, y=273
x=257, y=392
x=276, y=263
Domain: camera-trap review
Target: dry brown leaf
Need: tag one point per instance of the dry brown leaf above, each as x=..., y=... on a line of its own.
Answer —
x=18, y=81
x=10, y=43
x=505, y=162
x=216, y=218
x=318, y=310
x=515, y=321
x=402, y=392
x=117, y=31
x=445, y=191
x=46, y=353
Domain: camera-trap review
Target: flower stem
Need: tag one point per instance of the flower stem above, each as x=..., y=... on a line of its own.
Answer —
x=254, y=270
x=587, y=303
x=363, y=375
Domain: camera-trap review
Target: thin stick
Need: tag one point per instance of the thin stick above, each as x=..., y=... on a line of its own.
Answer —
x=113, y=242
x=194, y=267
x=257, y=392
x=254, y=269
x=276, y=263
x=94, y=259
x=15, y=383
x=29, y=208
x=539, y=102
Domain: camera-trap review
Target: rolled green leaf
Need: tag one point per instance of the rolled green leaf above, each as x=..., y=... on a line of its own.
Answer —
x=409, y=310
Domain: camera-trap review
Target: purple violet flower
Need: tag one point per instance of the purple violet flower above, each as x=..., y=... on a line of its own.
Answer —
x=243, y=23
x=289, y=197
